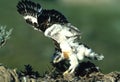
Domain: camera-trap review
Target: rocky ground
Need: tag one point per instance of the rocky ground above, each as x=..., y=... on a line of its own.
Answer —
x=87, y=72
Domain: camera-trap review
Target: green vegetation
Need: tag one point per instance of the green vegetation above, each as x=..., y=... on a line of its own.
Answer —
x=4, y=35
x=100, y=27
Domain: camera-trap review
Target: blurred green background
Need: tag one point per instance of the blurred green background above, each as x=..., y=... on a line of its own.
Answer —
x=98, y=21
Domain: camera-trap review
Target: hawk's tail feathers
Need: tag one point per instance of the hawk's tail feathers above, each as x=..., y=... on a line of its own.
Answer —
x=88, y=53
x=27, y=7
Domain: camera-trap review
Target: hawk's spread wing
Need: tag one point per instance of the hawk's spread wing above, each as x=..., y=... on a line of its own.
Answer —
x=30, y=11
x=40, y=18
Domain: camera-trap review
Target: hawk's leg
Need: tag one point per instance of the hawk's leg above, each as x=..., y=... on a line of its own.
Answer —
x=57, y=57
x=73, y=64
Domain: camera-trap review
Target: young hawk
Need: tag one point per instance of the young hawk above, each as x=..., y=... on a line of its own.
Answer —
x=55, y=26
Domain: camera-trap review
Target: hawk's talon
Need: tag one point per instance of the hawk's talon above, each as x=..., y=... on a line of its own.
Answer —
x=65, y=73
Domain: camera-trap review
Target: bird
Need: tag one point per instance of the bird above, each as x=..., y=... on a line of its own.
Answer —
x=55, y=26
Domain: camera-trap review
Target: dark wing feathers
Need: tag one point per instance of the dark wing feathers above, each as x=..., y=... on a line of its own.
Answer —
x=27, y=7
x=55, y=16
x=50, y=17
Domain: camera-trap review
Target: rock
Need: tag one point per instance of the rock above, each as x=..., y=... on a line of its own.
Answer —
x=28, y=75
x=8, y=75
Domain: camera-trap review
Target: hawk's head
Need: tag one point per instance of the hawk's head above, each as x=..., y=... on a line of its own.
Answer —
x=39, y=18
